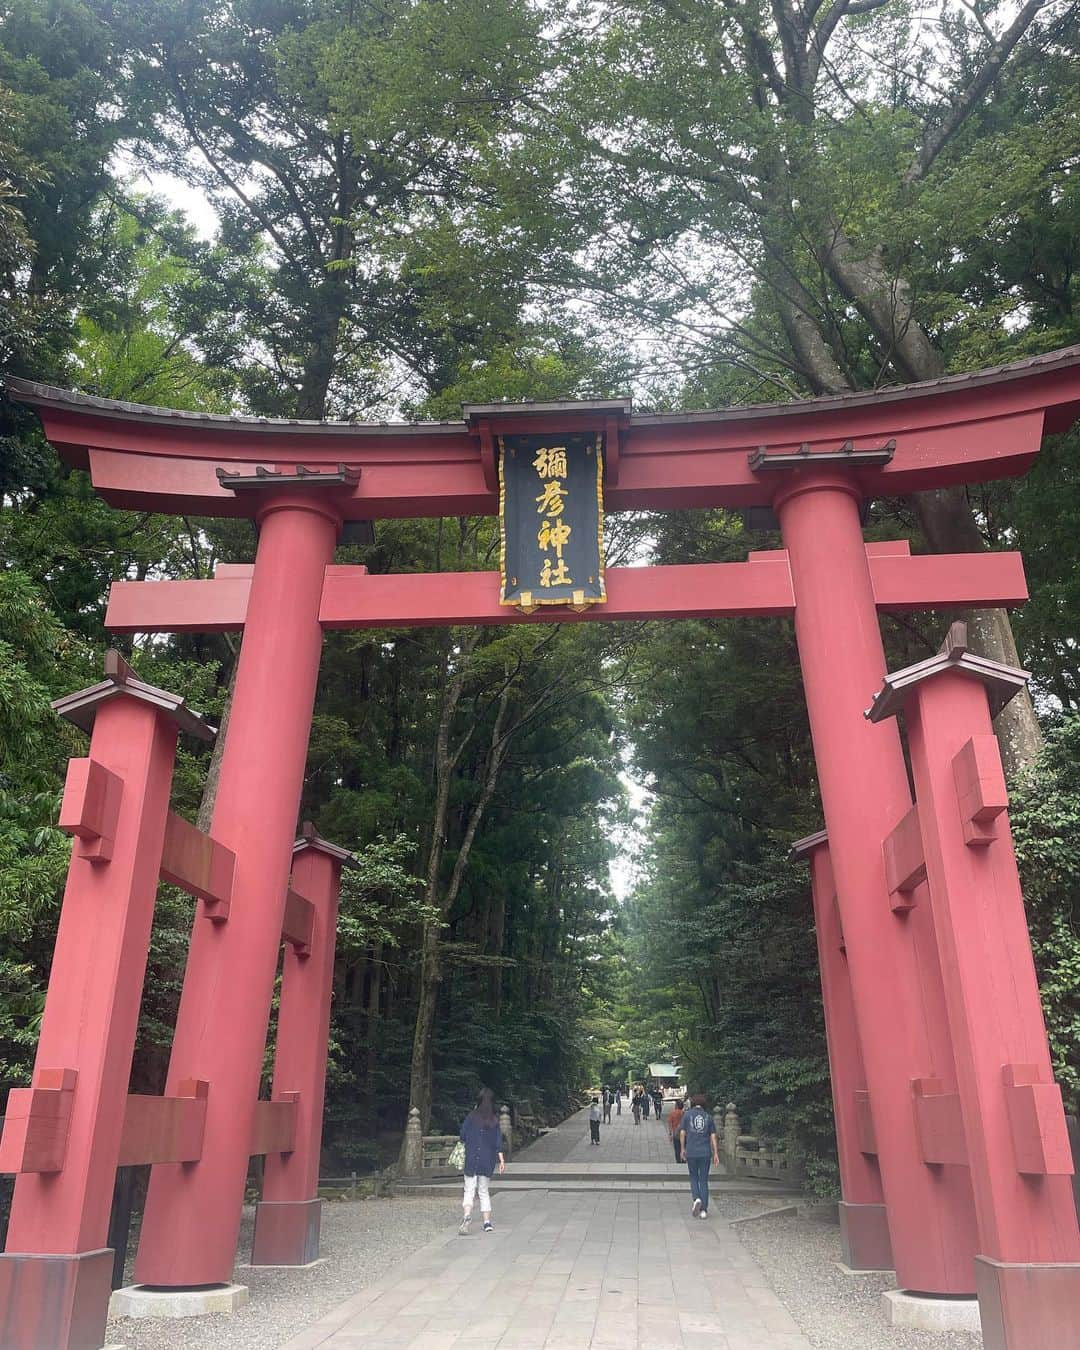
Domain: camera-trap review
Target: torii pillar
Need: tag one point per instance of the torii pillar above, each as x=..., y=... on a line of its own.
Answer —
x=895, y=981
x=63, y=1134
x=1013, y=1121
x=864, y=1223
x=288, y=1216
x=192, y=1216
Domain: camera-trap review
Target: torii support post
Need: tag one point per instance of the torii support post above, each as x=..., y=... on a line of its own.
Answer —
x=288, y=1216
x=192, y=1217
x=1028, y=1267
x=62, y=1135
x=864, y=1223
x=895, y=981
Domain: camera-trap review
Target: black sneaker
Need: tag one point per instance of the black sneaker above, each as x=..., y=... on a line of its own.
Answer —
x=489, y=1227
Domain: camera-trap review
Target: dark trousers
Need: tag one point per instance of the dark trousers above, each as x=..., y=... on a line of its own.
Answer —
x=675, y=1145
x=699, y=1179
x=594, y=1130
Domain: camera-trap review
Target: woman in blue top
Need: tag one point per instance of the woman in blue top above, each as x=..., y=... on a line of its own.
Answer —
x=483, y=1142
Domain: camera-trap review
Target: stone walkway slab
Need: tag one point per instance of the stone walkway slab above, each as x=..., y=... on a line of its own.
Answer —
x=570, y=1272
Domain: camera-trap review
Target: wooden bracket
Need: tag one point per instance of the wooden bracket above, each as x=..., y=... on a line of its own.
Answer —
x=1037, y=1121
x=91, y=807
x=36, y=1123
x=939, y=1123
x=165, y=1129
x=905, y=864
x=274, y=1126
x=980, y=789
x=298, y=923
x=864, y=1122
x=199, y=865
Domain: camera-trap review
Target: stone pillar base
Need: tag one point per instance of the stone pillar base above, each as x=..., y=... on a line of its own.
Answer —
x=141, y=1300
x=1028, y=1305
x=56, y=1301
x=864, y=1236
x=929, y=1312
x=286, y=1232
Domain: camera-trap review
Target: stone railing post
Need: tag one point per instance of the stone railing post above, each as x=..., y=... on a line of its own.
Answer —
x=730, y=1135
x=718, y=1125
x=507, y=1129
x=412, y=1155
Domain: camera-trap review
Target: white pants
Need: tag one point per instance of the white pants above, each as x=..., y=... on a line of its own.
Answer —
x=472, y=1185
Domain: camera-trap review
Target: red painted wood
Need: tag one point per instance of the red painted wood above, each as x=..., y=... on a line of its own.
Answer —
x=1037, y=1119
x=197, y=864
x=952, y=435
x=164, y=1129
x=300, y=1067
x=905, y=867
x=298, y=923
x=90, y=808
x=864, y=1122
x=36, y=1122
x=354, y=599
x=895, y=982
x=192, y=1214
x=980, y=788
x=939, y=1122
x=992, y=995
x=273, y=1124
x=95, y=987
x=860, y=1179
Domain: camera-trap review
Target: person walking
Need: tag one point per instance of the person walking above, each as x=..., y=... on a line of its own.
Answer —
x=673, y=1123
x=635, y=1106
x=618, y=1101
x=644, y=1103
x=594, y=1121
x=483, y=1142
x=658, y=1103
x=607, y=1106
x=697, y=1135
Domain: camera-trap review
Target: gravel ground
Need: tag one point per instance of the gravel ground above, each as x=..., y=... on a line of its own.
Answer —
x=362, y=1240
x=835, y=1311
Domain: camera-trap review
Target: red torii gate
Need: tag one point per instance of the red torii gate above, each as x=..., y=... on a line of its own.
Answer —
x=918, y=1118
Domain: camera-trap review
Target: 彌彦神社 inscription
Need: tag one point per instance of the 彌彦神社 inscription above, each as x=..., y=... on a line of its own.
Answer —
x=551, y=520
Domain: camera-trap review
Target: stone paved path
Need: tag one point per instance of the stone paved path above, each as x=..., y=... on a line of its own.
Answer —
x=620, y=1142
x=569, y=1271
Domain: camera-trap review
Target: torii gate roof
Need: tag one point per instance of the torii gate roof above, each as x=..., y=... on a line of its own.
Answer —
x=961, y=428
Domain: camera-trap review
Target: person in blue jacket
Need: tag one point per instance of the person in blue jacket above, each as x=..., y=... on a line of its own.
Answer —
x=483, y=1142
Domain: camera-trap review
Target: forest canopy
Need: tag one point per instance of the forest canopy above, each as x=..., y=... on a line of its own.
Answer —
x=327, y=208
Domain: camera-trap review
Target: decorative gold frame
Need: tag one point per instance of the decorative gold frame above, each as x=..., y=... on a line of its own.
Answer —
x=528, y=602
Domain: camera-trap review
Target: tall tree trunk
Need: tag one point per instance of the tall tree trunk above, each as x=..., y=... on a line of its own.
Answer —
x=950, y=527
x=946, y=514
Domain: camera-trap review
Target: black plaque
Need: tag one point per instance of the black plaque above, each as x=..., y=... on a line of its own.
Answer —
x=551, y=520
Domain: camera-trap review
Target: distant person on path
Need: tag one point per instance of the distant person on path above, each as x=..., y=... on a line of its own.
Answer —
x=594, y=1121
x=635, y=1106
x=607, y=1107
x=697, y=1134
x=618, y=1101
x=483, y=1142
x=658, y=1102
x=673, y=1124
x=645, y=1104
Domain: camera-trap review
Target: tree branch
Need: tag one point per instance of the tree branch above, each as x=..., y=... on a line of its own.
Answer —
x=935, y=139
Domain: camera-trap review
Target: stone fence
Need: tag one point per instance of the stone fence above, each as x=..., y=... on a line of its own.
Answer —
x=748, y=1155
x=428, y=1155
